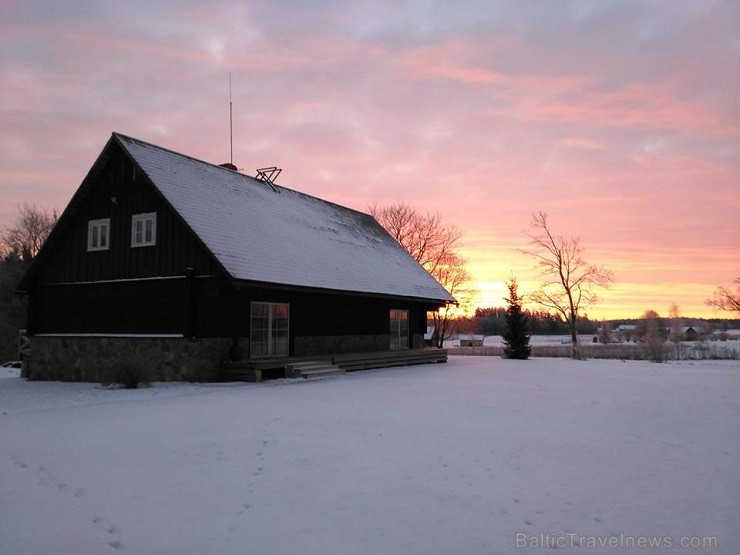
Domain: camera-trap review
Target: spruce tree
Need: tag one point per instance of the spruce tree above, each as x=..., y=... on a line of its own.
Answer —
x=516, y=340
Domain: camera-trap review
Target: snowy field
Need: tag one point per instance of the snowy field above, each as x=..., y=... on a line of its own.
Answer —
x=480, y=455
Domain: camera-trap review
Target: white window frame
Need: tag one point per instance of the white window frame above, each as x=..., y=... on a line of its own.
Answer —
x=271, y=337
x=144, y=218
x=95, y=233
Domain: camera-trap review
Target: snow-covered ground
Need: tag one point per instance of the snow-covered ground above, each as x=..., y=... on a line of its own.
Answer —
x=479, y=455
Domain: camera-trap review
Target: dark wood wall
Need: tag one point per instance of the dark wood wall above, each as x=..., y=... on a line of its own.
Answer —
x=311, y=314
x=118, y=192
x=152, y=307
x=211, y=307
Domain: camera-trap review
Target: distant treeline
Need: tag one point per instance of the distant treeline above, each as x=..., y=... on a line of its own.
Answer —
x=719, y=324
x=491, y=321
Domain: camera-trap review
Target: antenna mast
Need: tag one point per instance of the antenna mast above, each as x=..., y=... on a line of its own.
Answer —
x=231, y=126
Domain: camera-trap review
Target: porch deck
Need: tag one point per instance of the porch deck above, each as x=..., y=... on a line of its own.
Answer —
x=257, y=370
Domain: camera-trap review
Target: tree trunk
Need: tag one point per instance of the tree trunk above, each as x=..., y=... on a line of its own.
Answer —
x=574, y=339
x=573, y=335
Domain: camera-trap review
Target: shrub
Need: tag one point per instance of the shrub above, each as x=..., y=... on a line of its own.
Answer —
x=129, y=370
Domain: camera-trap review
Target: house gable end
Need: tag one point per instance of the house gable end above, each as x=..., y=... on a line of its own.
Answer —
x=116, y=190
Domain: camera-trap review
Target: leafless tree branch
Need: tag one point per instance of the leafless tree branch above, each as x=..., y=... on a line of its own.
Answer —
x=569, y=279
x=434, y=245
x=725, y=298
x=29, y=231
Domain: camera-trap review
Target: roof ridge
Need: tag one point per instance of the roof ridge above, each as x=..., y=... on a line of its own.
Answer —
x=119, y=136
x=193, y=158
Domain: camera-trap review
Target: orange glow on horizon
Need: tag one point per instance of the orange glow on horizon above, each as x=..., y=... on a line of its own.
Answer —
x=624, y=299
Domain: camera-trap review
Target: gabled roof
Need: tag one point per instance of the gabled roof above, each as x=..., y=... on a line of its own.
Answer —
x=270, y=234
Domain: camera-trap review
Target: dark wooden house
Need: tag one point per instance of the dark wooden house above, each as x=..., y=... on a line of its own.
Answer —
x=186, y=264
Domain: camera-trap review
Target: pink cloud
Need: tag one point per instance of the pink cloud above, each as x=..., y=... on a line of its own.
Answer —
x=638, y=105
x=483, y=115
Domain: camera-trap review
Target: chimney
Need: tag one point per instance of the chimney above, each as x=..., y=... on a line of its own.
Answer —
x=228, y=166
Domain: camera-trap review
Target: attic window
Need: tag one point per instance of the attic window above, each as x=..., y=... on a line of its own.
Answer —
x=98, y=235
x=144, y=229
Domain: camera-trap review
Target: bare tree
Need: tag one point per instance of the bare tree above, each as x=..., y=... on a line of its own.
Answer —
x=19, y=244
x=726, y=299
x=675, y=328
x=29, y=231
x=605, y=332
x=451, y=272
x=12, y=307
x=424, y=236
x=569, y=280
x=435, y=245
x=650, y=331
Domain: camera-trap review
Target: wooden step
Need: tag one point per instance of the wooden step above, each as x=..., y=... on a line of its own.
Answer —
x=385, y=359
x=307, y=366
x=312, y=369
x=322, y=372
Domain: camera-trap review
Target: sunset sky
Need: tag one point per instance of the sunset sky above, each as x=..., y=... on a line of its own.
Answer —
x=620, y=119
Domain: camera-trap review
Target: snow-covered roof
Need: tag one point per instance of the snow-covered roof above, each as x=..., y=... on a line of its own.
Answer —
x=264, y=233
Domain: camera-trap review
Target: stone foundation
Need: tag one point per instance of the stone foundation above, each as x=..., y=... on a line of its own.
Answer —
x=97, y=359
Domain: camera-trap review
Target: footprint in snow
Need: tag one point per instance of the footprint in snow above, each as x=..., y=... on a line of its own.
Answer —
x=116, y=544
x=17, y=461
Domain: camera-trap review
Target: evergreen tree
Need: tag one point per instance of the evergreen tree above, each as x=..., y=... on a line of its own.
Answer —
x=516, y=340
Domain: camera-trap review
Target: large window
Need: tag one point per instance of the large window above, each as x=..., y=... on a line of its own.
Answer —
x=269, y=329
x=144, y=229
x=98, y=235
x=399, y=329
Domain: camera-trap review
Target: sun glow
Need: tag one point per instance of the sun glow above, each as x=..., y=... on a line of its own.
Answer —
x=625, y=298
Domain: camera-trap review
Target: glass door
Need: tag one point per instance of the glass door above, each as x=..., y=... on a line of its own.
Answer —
x=269, y=329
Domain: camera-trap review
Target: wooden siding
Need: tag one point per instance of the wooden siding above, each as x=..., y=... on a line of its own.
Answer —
x=151, y=307
x=119, y=191
x=209, y=307
x=227, y=313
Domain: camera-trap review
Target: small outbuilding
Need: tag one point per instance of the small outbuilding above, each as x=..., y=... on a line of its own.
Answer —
x=470, y=340
x=188, y=264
